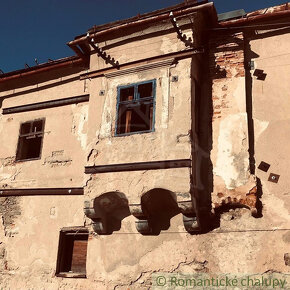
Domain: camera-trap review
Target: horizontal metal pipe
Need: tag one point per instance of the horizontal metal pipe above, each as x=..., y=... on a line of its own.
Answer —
x=142, y=22
x=41, y=191
x=46, y=105
x=136, y=166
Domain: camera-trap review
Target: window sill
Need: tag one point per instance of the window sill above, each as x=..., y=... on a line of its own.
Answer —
x=29, y=159
x=71, y=275
x=133, y=133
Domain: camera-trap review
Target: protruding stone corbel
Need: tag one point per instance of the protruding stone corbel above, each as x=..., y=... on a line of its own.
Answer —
x=143, y=222
x=189, y=216
x=98, y=220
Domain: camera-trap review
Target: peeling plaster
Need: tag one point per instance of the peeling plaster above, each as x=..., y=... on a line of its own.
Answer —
x=57, y=158
x=9, y=177
x=232, y=158
x=8, y=161
x=106, y=125
x=80, y=119
x=239, y=94
x=165, y=100
x=276, y=207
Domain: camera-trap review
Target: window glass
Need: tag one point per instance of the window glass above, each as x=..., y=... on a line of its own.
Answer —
x=136, y=114
x=127, y=94
x=30, y=140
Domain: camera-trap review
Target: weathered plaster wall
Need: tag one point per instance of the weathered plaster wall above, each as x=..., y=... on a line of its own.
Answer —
x=271, y=118
x=146, y=41
x=126, y=259
x=229, y=156
x=47, y=86
x=65, y=135
x=172, y=118
x=29, y=233
x=170, y=139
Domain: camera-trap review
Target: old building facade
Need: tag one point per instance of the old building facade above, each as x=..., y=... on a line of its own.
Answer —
x=159, y=147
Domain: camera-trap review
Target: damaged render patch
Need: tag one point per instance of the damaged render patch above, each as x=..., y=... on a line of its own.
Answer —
x=9, y=210
x=183, y=138
x=233, y=158
x=243, y=196
x=57, y=158
x=92, y=155
x=106, y=124
x=79, y=122
x=8, y=161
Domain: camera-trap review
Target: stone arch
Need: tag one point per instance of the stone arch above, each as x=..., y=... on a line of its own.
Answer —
x=107, y=212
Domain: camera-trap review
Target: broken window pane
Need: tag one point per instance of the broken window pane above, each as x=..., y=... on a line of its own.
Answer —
x=37, y=126
x=127, y=94
x=72, y=253
x=145, y=90
x=25, y=128
x=30, y=140
x=136, y=115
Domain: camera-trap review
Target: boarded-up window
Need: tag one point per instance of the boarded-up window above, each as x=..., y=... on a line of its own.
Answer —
x=72, y=253
x=135, y=109
x=30, y=140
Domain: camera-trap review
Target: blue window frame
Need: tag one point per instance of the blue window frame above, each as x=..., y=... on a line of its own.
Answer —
x=136, y=108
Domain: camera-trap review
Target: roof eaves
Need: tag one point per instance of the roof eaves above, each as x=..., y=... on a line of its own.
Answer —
x=102, y=27
x=262, y=14
x=41, y=67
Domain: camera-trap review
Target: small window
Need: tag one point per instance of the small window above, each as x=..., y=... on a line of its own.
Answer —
x=135, y=108
x=72, y=253
x=30, y=140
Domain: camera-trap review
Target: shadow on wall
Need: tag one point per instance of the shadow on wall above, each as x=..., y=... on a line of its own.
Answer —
x=157, y=208
x=225, y=52
x=249, y=56
x=112, y=208
x=160, y=206
x=202, y=179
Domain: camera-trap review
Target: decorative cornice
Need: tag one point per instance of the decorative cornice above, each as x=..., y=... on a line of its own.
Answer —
x=142, y=63
x=151, y=66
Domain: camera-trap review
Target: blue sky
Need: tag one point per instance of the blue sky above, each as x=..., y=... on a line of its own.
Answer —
x=40, y=28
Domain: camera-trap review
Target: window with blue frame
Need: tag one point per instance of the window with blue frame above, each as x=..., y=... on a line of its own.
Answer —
x=135, y=108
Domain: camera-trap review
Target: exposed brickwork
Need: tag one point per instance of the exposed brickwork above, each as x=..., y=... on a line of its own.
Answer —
x=227, y=72
x=238, y=198
x=9, y=211
x=226, y=62
x=287, y=259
